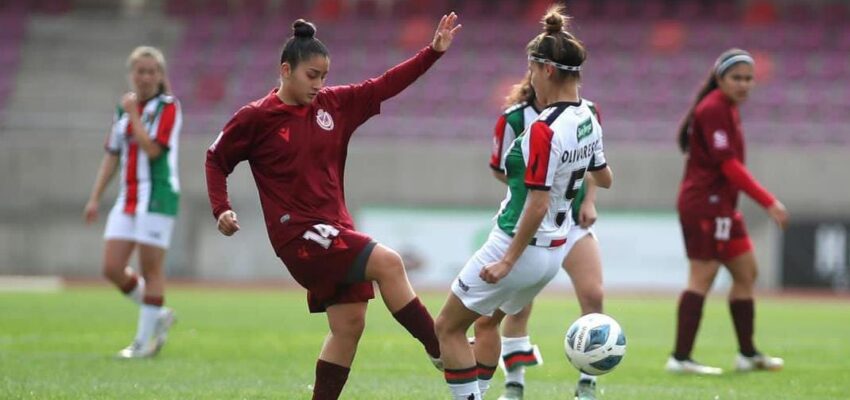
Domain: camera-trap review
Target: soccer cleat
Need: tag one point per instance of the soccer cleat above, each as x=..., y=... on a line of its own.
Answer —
x=758, y=362
x=585, y=390
x=138, y=350
x=690, y=367
x=164, y=322
x=513, y=391
x=437, y=362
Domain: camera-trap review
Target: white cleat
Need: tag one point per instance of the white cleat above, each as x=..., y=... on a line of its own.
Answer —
x=758, y=362
x=690, y=367
x=138, y=350
x=164, y=322
x=513, y=391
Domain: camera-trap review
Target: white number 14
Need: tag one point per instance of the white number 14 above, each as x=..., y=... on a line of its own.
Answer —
x=323, y=235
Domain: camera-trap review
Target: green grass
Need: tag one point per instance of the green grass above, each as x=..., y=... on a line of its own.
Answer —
x=232, y=344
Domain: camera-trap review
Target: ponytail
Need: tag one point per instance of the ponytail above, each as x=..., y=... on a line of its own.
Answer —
x=683, y=139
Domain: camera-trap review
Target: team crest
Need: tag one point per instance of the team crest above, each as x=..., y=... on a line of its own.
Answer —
x=324, y=119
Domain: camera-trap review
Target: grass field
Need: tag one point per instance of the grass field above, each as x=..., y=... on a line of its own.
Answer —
x=233, y=344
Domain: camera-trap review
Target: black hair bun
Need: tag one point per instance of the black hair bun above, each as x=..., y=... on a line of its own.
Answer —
x=303, y=29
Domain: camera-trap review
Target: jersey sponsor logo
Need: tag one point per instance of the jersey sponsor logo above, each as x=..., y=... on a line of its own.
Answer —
x=721, y=140
x=324, y=119
x=284, y=133
x=584, y=129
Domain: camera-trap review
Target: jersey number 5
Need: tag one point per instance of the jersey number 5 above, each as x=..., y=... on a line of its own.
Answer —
x=324, y=235
x=573, y=186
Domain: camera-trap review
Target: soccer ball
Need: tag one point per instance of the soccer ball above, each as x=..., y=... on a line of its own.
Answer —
x=595, y=344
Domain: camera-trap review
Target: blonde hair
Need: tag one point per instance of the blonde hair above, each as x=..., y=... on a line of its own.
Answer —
x=156, y=54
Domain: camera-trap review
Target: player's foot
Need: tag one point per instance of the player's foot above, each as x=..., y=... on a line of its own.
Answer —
x=690, y=367
x=585, y=390
x=437, y=362
x=513, y=391
x=758, y=362
x=138, y=350
x=166, y=318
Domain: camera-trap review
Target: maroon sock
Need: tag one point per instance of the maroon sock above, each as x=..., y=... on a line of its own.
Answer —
x=330, y=378
x=743, y=315
x=690, y=314
x=415, y=318
x=131, y=284
x=153, y=300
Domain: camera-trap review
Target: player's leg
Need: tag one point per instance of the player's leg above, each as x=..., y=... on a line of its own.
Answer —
x=116, y=255
x=461, y=371
x=120, y=240
x=385, y=267
x=700, y=279
x=517, y=352
x=744, y=271
x=487, y=348
x=346, y=323
x=583, y=264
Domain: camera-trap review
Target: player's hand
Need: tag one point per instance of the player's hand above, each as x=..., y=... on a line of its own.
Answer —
x=90, y=212
x=446, y=30
x=779, y=214
x=587, y=214
x=494, y=272
x=130, y=103
x=227, y=223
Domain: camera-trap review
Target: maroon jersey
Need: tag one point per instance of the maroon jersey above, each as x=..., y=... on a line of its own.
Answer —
x=297, y=153
x=714, y=136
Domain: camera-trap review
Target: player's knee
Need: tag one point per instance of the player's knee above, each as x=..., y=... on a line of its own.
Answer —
x=349, y=327
x=484, y=324
x=443, y=327
x=112, y=272
x=389, y=264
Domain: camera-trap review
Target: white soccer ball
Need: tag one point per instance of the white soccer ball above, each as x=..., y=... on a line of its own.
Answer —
x=595, y=344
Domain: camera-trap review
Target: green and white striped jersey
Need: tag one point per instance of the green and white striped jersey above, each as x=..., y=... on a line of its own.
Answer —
x=145, y=184
x=553, y=154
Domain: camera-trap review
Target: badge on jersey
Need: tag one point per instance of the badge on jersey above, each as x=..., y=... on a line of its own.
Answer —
x=584, y=129
x=324, y=119
x=721, y=140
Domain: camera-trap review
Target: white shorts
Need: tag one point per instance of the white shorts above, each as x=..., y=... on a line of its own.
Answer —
x=532, y=271
x=145, y=228
x=575, y=234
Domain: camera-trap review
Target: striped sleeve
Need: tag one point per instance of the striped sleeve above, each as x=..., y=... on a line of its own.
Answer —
x=112, y=144
x=542, y=157
x=169, y=124
x=503, y=136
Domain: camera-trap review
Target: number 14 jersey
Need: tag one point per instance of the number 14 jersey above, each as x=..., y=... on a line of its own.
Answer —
x=553, y=155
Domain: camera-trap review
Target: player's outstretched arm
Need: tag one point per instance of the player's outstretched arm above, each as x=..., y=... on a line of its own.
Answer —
x=403, y=75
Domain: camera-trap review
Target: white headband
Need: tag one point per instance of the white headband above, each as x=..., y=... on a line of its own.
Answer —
x=721, y=67
x=554, y=64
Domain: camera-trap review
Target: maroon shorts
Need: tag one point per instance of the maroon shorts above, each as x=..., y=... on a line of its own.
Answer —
x=715, y=238
x=330, y=262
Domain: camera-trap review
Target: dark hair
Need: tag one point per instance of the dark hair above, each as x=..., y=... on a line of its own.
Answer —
x=520, y=92
x=707, y=87
x=558, y=45
x=302, y=45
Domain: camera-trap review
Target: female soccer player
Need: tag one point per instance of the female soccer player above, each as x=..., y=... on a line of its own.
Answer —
x=544, y=170
x=713, y=228
x=296, y=140
x=144, y=137
x=583, y=262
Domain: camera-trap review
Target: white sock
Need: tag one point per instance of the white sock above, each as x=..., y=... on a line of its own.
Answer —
x=483, y=386
x=510, y=347
x=138, y=292
x=586, y=377
x=148, y=315
x=465, y=391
